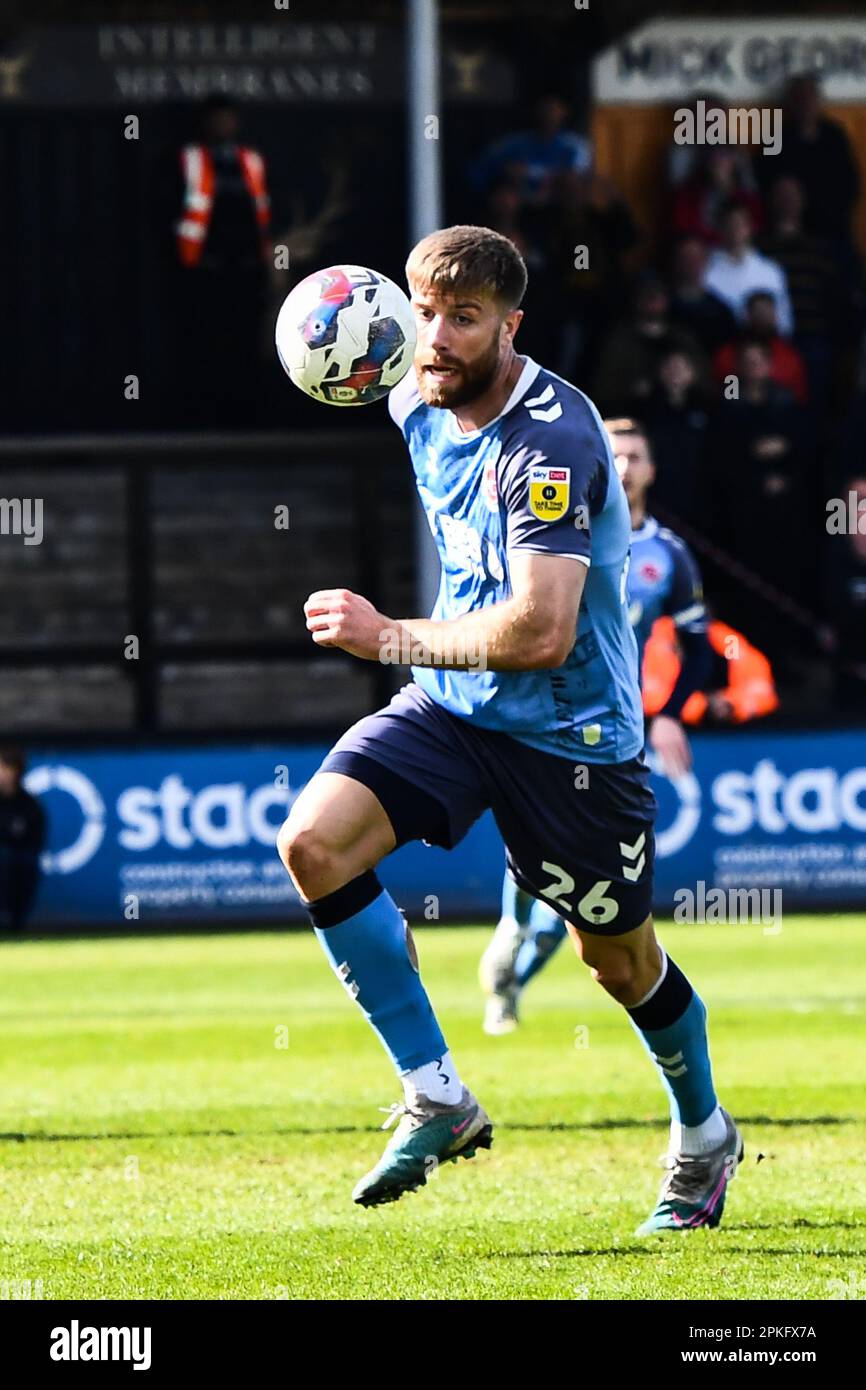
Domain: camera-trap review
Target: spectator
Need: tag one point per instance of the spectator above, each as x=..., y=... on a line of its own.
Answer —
x=22, y=838
x=676, y=419
x=815, y=151
x=723, y=176
x=847, y=441
x=225, y=216
x=813, y=280
x=806, y=259
x=694, y=307
x=760, y=479
x=590, y=237
x=739, y=684
x=633, y=348
x=786, y=365
x=531, y=159
x=541, y=327
x=683, y=160
x=504, y=215
x=223, y=248
x=735, y=270
x=845, y=588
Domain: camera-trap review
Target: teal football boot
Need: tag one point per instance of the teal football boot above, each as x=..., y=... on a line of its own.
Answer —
x=428, y=1135
x=694, y=1189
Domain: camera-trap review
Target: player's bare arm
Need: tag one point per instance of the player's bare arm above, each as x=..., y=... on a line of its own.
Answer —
x=667, y=738
x=533, y=630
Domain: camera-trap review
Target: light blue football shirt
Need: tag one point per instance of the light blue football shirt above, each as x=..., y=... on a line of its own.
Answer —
x=663, y=581
x=539, y=477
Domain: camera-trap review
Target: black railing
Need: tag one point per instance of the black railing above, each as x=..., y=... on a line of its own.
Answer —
x=162, y=581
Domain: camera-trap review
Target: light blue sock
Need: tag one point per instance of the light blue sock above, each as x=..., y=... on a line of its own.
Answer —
x=515, y=902
x=671, y=1022
x=546, y=933
x=363, y=934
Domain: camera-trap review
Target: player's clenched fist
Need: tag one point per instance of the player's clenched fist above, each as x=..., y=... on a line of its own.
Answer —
x=339, y=618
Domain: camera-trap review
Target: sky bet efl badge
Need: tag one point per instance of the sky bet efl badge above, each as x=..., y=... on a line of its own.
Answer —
x=548, y=491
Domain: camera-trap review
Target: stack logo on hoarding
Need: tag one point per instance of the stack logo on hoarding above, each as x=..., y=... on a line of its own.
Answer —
x=221, y=816
x=91, y=805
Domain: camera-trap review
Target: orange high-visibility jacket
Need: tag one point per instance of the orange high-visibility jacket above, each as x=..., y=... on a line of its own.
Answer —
x=750, y=689
x=198, y=173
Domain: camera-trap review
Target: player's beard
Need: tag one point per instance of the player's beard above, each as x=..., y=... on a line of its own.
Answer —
x=470, y=380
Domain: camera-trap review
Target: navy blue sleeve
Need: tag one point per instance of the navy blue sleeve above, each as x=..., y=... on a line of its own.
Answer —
x=552, y=479
x=685, y=599
x=695, y=667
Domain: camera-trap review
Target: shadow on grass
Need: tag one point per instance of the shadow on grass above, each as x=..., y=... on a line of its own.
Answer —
x=589, y=1127
x=799, y=1223
x=655, y=1243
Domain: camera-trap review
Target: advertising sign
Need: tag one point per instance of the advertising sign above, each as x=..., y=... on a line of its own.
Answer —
x=188, y=834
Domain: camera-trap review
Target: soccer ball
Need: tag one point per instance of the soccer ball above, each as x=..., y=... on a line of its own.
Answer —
x=346, y=335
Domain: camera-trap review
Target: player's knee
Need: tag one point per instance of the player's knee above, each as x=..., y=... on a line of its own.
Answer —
x=621, y=972
x=618, y=976
x=627, y=976
x=628, y=967
x=307, y=857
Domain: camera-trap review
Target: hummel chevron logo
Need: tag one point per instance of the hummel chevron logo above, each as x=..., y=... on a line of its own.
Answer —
x=343, y=972
x=671, y=1065
x=552, y=413
x=546, y=395
x=632, y=852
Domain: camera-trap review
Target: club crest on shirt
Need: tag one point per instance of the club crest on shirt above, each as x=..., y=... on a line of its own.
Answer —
x=549, y=490
x=489, y=488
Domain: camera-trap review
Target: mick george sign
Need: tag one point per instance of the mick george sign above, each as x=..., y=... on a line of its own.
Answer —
x=670, y=59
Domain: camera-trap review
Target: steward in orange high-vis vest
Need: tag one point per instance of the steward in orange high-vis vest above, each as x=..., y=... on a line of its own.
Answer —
x=748, y=691
x=199, y=185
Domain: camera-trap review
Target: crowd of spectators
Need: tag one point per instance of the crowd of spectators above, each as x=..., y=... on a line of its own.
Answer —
x=734, y=332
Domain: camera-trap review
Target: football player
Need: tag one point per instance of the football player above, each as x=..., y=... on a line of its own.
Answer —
x=663, y=580
x=526, y=669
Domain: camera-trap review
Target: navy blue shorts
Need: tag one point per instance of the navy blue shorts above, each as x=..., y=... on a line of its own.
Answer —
x=577, y=835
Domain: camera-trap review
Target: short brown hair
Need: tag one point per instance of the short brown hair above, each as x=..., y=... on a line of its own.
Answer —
x=467, y=260
x=626, y=424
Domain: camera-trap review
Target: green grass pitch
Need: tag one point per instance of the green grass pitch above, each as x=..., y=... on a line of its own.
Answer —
x=161, y=1140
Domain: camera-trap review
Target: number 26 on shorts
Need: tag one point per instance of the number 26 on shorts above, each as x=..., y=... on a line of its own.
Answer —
x=593, y=907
